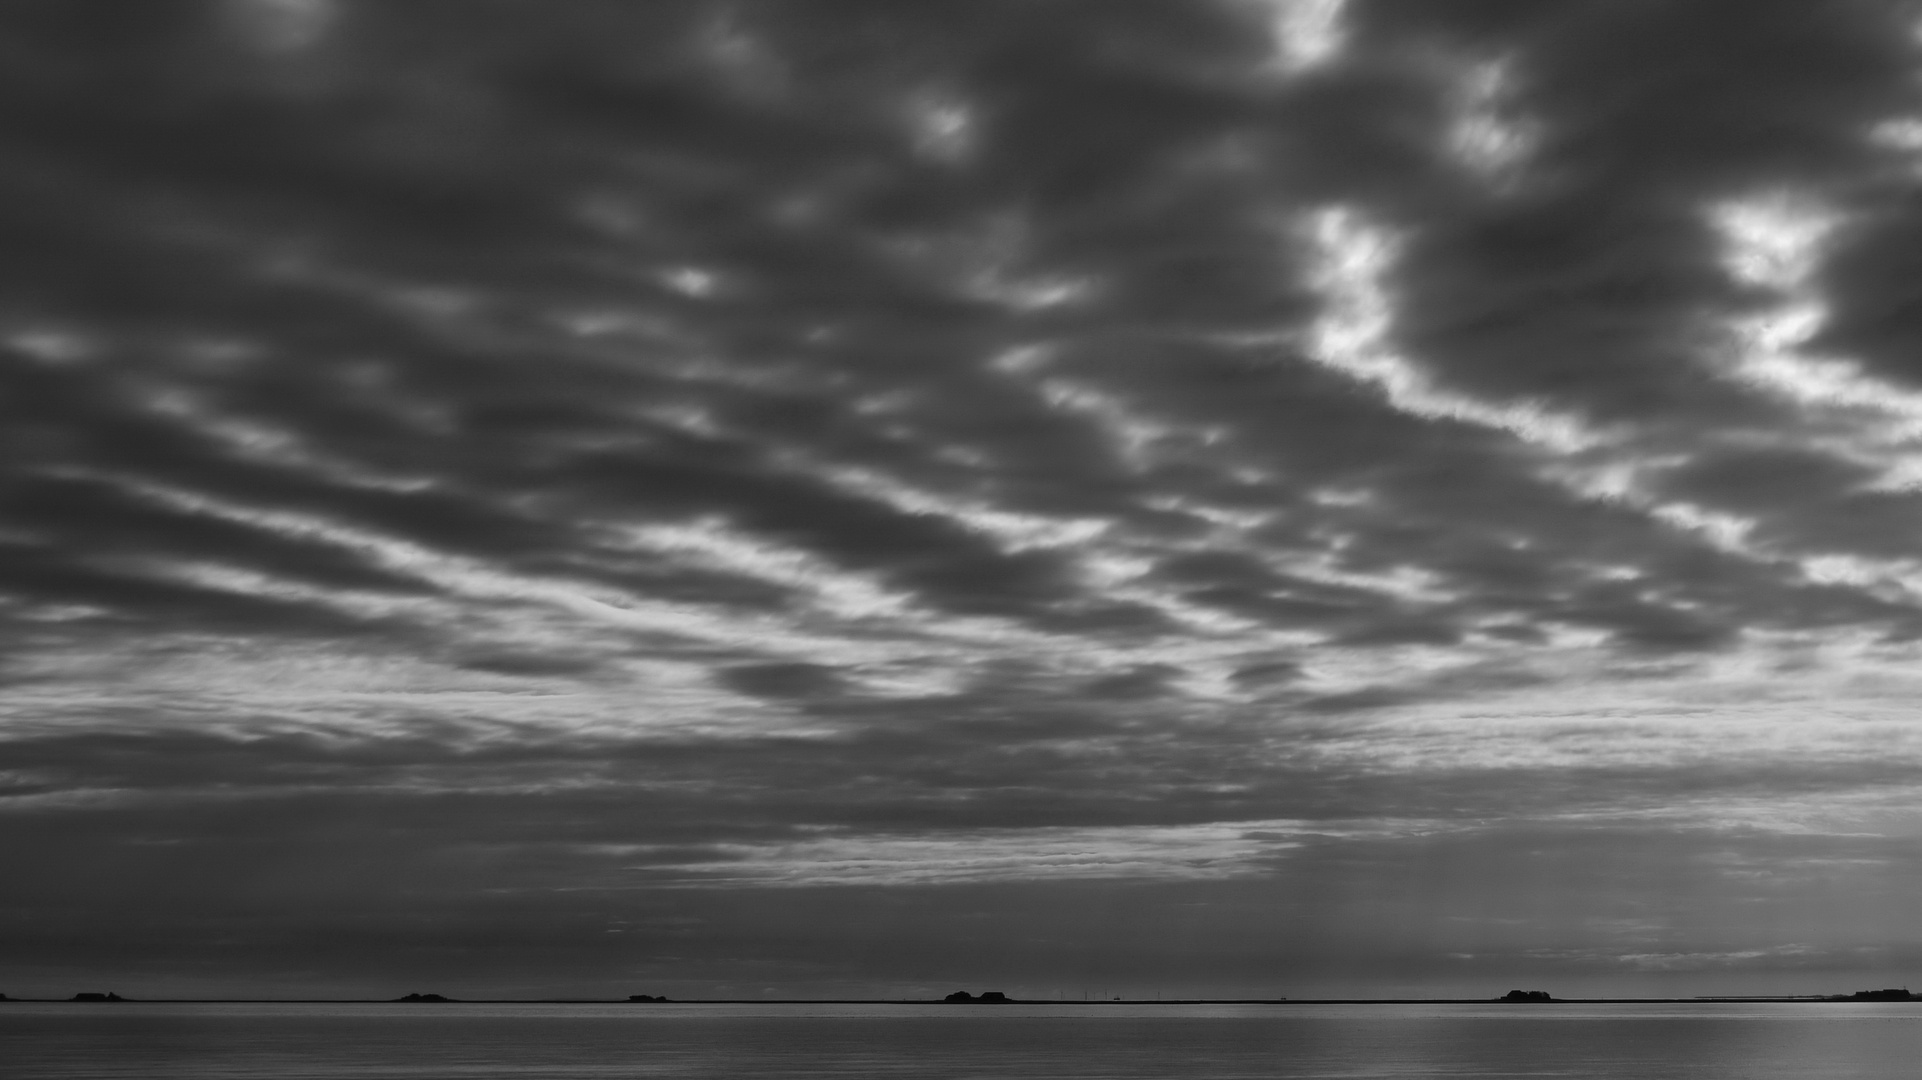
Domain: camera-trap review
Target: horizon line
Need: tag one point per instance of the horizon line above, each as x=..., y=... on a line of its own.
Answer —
x=1694, y=999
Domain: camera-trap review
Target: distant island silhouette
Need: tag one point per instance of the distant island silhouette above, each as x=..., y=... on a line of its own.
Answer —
x=991, y=997
x=645, y=997
x=96, y=997
x=1526, y=995
x=1896, y=994
x=423, y=997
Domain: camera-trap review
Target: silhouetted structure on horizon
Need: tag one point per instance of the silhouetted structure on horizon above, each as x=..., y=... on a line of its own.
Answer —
x=423, y=997
x=644, y=997
x=1526, y=995
x=992, y=997
x=97, y=997
x=1892, y=994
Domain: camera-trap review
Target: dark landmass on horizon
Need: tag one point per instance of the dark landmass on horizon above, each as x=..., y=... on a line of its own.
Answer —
x=994, y=997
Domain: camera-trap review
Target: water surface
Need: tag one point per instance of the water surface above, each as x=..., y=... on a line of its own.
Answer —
x=1709, y=1041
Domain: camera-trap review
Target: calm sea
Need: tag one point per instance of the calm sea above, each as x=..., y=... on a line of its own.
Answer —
x=564, y=1042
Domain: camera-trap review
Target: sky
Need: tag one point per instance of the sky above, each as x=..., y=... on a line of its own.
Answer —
x=827, y=498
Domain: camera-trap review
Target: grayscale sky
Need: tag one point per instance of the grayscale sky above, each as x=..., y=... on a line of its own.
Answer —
x=734, y=498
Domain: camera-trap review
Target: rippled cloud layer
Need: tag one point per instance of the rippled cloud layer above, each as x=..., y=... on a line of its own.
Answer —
x=785, y=495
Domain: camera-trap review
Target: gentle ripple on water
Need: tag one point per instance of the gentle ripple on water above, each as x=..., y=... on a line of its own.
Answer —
x=134, y=1041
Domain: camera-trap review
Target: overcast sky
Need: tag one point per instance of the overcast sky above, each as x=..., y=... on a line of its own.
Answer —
x=1059, y=496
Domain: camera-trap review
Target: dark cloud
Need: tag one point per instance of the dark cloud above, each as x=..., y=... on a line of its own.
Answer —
x=781, y=681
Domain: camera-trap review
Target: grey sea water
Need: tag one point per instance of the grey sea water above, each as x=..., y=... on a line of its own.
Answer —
x=1709, y=1041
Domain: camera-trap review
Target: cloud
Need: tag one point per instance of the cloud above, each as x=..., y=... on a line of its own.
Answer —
x=1222, y=451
